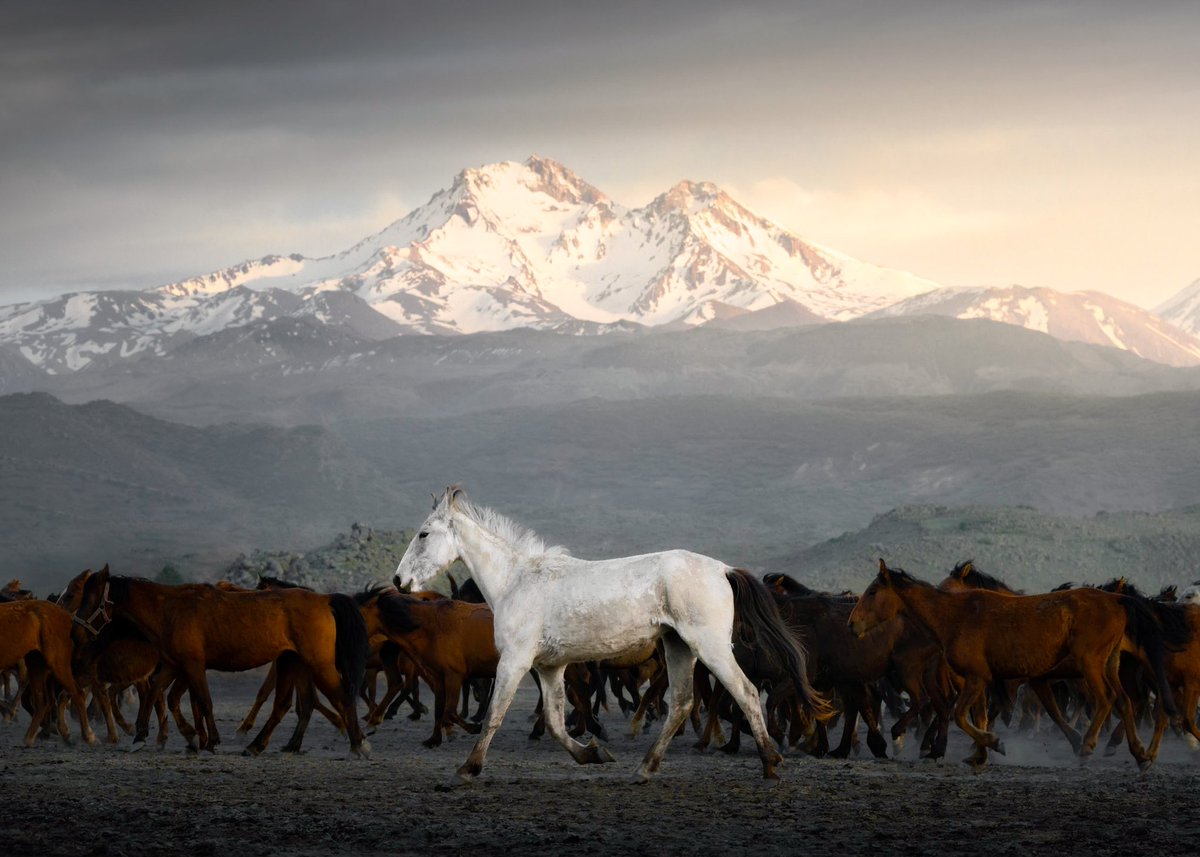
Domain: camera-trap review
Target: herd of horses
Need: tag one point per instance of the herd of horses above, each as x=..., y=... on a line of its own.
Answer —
x=673, y=637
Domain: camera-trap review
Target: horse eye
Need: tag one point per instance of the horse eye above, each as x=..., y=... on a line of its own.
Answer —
x=422, y=535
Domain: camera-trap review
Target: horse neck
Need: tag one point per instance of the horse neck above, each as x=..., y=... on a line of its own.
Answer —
x=938, y=612
x=494, y=563
x=143, y=606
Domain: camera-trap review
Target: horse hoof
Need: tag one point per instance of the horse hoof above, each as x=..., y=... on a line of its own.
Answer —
x=640, y=778
x=1144, y=765
x=598, y=754
x=1110, y=750
x=136, y=745
x=897, y=745
x=1190, y=740
x=464, y=776
x=362, y=751
x=999, y=747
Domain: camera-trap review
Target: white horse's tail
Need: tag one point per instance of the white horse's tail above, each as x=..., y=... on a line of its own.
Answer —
x=757, y=621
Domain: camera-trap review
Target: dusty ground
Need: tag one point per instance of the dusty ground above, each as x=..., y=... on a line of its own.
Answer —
x=102, y=800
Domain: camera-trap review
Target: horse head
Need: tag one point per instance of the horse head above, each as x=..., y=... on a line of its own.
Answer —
x=94, y=607
x=879, y=603
x=435, y=546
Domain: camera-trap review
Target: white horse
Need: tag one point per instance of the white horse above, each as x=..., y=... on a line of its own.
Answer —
x=552, y=609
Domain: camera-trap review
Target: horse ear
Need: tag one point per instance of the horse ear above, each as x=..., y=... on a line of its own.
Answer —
x=105, y=569
x=967, y=568
x=453, y=492
x=435, y=499
x=884, y=571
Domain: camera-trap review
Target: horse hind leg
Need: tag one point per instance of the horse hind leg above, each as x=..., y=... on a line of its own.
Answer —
x=720, y=661
x=260, y=699
x=554, y=705
x=681, y=665
x=287, y=666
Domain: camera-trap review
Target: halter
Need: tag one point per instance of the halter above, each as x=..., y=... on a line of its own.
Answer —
x=101, y=610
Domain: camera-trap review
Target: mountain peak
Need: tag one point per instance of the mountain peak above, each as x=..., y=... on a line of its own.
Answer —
x=1182, y=309
x=691, y=197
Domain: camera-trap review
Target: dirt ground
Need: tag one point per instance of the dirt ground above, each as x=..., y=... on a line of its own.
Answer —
x=82, y=800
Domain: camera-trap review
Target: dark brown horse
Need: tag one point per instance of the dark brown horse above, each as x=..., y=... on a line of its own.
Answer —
x=314, y=639
x=450, y=641
x=39, y=633
x=987, y=636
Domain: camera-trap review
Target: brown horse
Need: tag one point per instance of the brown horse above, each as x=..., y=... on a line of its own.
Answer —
x=1182, y=668
x=965, y=576
x=987, y=636
x=39, y=633
x=122, y=660
x=898, y=650
x=313, y=639
x=272, y=679
x=450, y=641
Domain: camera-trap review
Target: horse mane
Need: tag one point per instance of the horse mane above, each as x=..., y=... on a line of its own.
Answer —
x=394, y=610
x=1169, y=594
x=1063, y=587
x=1123, y=586
x=469, y=592
x=265, y=581
x=519, y=536
x=901, y=579
x=1172, y=617
x=976, y=579
x=795, y=589
x=372, y=591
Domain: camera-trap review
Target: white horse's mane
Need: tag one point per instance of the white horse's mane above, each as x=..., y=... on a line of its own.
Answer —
x=519, y=536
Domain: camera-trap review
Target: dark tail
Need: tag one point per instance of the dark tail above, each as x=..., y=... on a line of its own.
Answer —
x=351, y=647
x=757, y=615
x=1157, y=629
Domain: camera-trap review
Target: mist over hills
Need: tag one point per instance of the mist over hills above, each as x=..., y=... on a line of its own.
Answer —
x=747, y=479
x=301, y=371
x=96, y=483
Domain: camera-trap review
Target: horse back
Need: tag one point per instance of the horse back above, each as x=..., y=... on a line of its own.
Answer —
x=31, y=626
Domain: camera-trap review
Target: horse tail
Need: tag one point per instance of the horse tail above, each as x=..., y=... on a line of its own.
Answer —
x=757, y=620
x=351, y=646
x=1156, y=632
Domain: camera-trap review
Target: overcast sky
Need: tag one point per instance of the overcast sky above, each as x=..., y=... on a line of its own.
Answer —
x=1047, y=144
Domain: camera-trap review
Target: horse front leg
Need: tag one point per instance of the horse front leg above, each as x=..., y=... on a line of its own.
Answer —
x=973, y=689
x=508, y=676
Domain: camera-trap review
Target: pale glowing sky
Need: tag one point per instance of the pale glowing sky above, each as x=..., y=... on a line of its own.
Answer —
x=1046, y=144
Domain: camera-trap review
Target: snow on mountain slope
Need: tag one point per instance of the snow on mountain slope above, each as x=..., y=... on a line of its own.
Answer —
x=506, y=245
x=533, y=245
x=1076, y=316
x=1183, y=309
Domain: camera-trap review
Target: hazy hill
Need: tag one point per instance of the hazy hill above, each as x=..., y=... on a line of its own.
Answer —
x=751, y=479
x=1025, y=548
x=89, y=484
x=300, y=371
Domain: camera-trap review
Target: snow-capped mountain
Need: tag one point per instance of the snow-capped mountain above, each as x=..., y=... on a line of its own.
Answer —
x=1074, y=316
x=532, y=244
x=1183, y=309
x=506, y=245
